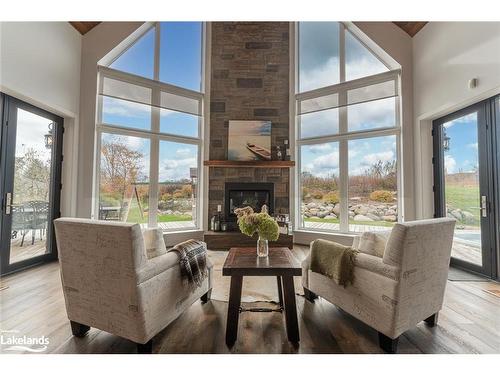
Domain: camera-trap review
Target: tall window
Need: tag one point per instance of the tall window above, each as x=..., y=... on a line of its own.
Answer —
x=347, y=126
x=149, y=129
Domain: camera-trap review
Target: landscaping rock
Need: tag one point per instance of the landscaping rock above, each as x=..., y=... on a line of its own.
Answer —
x=336, y=209
x=331, y=216
x=372, y=216
x=391, y=218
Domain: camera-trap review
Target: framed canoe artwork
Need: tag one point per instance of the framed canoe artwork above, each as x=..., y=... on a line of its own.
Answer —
x=249, y=140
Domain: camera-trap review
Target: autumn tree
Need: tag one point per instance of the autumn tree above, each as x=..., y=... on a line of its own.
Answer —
x=120, y=167
x=32, y=177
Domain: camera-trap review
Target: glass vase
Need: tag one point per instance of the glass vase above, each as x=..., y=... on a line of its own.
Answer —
x=262, y=247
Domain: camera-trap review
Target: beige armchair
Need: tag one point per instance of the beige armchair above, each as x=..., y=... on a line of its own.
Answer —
x=402, y=287
x=110, y=284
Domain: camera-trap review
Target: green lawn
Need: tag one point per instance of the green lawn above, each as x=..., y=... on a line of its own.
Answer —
x=134, y=216
x=465, y=198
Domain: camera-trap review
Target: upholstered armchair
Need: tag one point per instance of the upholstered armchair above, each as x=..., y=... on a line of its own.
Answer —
x=400, y=278
x=116, y=281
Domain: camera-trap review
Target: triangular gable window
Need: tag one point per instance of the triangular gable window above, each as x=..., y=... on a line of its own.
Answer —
x=360, y=61
x=139, y=58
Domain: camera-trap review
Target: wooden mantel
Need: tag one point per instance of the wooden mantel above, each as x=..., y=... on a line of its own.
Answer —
x=250, y=163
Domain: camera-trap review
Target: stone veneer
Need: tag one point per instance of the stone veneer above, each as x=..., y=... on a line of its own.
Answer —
x=250, y=81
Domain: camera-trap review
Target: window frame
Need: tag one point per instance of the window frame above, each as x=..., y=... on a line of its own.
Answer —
x=343, y=136
x=153, y=134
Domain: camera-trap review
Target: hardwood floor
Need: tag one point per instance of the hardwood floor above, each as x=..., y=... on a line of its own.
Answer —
x=32, y=303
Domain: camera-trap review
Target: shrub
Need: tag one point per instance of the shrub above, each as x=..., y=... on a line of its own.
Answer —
x=331, y=197
x=317, y=194
x=381, y=196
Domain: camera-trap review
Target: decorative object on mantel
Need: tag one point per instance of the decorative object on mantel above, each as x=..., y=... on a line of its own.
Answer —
x=249, y=140
x=262, y=224
x=250, y=163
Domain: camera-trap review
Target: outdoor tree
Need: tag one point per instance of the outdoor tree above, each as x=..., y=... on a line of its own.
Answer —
x=120, y=168
x=32, y=177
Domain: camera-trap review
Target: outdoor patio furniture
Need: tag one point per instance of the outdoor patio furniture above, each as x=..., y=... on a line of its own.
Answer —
x=39, y=218
x=21, y=222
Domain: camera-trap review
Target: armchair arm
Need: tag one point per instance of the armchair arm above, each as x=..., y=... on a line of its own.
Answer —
x=157, y=265
x=376, y=265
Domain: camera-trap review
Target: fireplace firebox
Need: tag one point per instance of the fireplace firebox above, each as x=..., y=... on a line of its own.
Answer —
x=242, y=194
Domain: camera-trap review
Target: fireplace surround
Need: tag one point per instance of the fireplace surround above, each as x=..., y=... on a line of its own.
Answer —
x=253, y=194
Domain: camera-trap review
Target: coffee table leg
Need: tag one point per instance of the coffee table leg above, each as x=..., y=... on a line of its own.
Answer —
x=280, y=292
x=292, y=326
x=233, y=310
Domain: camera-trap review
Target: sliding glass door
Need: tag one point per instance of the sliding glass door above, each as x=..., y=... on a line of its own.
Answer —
x=464, y=177
x=31, y=147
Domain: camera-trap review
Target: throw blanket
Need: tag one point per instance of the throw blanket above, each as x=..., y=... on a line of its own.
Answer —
x=333, y=260
x=193, y=261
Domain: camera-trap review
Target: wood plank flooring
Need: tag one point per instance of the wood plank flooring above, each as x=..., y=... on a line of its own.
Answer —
x=32, y=303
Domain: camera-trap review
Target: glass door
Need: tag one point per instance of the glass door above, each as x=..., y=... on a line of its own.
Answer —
x=30, y=183
x=463, y=184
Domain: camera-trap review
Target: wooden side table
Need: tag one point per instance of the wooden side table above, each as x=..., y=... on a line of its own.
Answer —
x=243, y=261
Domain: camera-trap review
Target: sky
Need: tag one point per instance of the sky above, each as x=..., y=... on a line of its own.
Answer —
x=180, y=55
x=30, y=133
x=463, y=153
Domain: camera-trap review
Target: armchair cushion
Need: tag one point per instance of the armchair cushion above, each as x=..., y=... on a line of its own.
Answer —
x=153, y=242
x=375, y=264
x=372, y=243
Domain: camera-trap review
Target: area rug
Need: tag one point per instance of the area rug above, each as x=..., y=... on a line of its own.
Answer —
x=456, y=274
x=255, y=288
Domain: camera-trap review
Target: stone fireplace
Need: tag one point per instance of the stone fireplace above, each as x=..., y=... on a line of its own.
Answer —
x=249, y=81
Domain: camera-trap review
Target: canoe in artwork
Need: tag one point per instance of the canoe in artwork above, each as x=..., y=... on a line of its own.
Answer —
x=261, y=152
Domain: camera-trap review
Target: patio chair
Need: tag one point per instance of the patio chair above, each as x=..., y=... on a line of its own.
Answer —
x=21, y=222
x=40, y=217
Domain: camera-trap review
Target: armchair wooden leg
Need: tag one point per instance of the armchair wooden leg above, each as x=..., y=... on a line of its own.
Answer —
x=146, y=348
x=206, y=297
x=432, y=320
x=387, y=344
x=310, y=296
x=78, y=330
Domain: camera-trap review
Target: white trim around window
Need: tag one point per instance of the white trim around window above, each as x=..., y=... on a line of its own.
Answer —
x=304, y=234
x=154, y=134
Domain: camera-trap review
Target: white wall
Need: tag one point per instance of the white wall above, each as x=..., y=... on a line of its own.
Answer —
x=40, y=64
x=446, y=55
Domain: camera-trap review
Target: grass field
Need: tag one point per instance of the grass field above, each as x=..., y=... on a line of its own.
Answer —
x=134, y=216
x=465, y=198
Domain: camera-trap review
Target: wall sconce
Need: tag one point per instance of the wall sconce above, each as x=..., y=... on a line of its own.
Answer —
x=446, y=142
x=49, y=137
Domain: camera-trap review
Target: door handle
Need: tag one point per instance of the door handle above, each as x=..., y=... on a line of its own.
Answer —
x=484, y=206
x=8, y=203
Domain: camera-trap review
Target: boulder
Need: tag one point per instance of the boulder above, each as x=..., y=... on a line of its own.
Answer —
x=362, y=218
x=457, y=214
x=331, y=216
x=312, y=205
x=336, y=209
x=313, y=211
x=361, y=210
x=391, y=218
x=468, y=217
x=321, y=214
x=372, y=216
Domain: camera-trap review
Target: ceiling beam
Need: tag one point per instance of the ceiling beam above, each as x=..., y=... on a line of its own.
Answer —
x=411, y=28
x=84, y=27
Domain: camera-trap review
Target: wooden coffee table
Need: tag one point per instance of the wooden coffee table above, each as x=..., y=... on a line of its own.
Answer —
x=243, y=261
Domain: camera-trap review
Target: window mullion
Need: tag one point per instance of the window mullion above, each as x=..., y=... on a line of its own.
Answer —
x=154, y=161
x=343, y=143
